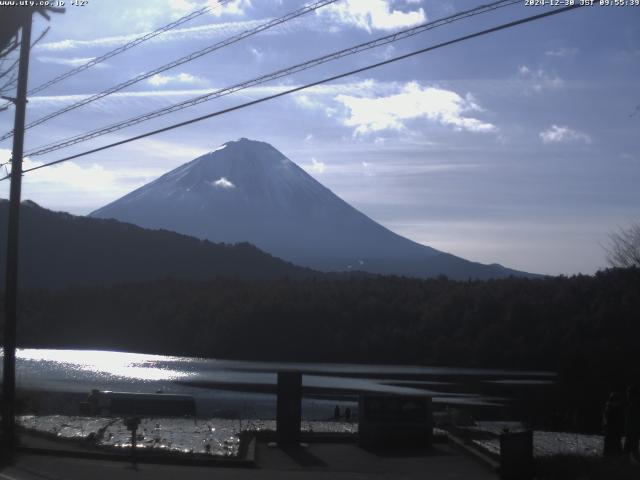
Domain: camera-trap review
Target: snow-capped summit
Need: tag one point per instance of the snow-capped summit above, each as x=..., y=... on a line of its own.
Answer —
x=247, y=174
x=247, y=191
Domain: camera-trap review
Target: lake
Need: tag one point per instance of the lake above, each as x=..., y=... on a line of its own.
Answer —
x=245, y=388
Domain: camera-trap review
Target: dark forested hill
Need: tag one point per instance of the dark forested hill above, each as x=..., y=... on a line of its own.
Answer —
x=60, y=250
x=519, y=323
x=585, y=327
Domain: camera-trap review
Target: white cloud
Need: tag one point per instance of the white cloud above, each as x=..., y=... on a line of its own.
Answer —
x=236, y=7
x=183, y=6
x=368, y=105
x=363, y=87
x=159, y=80
x=69, y=62
x=374, y=114
x=58, y=100
x=561, y=52
x=305, y=101
x=187, y=33
x=388, y=52
x=66, y=175
x=90, y=178
x=367, y=168
x=165, y=154
x=258, y=55
x=222, y=182
x=538, y=79
x=372, y=14
x=392, y=169
x=558, y=134
x=317, y=167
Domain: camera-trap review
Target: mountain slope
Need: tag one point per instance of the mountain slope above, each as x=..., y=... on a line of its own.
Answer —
x=60, y=250
x=249, y=191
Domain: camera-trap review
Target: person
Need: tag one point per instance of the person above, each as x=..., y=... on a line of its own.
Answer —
x=613, y=421
x=632, y=423
x=336, y=413
x=347, y=414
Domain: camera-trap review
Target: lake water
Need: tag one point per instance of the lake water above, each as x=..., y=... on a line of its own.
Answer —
x=244, y=389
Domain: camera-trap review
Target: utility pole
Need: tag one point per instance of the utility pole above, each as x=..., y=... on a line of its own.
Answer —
x=11, y=286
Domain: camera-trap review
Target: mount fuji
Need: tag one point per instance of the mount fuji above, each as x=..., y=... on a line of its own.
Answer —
x=247, y=191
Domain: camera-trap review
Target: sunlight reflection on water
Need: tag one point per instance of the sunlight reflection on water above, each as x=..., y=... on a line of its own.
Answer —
x=133, y=366
x=66, y=370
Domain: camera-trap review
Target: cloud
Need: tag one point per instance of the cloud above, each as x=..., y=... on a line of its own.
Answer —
x=165, y=154
x=258, y=55
x=561, y=52
x=236, y=7
x=305, y=101
x=558, y=134
x=49, y=101
x=90, y=178
x=388, y=52
x=183, y=6
x=366, y=169
x=368, y=105
x=223, y=183
x=378, y=113
x=362, y=87
x=311, y=102
x=187, y=33
x=159, y=80
x=538, y=79
x=372, y=14
x=397, y=169
x=69, y=62
x=317, y=167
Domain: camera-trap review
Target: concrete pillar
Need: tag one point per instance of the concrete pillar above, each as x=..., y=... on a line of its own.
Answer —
x=289, y=408
x=516, y=455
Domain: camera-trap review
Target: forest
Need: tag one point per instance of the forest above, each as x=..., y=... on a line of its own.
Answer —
x=585, y=328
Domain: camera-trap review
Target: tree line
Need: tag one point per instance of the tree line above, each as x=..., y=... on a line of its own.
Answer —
x=586, y=328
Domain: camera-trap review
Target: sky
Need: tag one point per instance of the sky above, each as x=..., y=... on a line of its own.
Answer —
x=519, y=148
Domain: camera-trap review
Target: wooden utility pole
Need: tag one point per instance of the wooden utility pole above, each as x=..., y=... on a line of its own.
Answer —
x=11, y=285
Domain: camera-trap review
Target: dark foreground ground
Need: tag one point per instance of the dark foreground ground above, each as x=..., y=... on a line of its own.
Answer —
x=333, y=457
x=316, y=461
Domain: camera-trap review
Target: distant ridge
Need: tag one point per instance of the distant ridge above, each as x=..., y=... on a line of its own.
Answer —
x=247, y=191
x=61, y=250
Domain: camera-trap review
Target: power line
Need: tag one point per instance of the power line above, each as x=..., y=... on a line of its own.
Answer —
x=503, y=26
x=188, y=58
x=270, y=77
x=122, y=48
